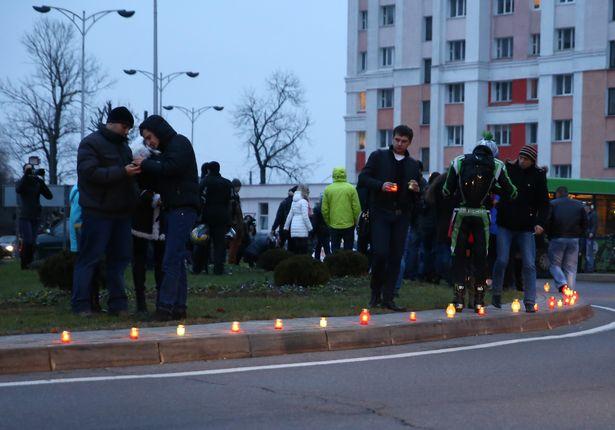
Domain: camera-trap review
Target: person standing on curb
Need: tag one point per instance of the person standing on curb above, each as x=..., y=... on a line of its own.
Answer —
x=341, y=209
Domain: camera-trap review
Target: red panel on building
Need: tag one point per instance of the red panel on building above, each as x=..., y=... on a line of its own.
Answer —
x=519, y=91
x=517, y=141
x=360, y=163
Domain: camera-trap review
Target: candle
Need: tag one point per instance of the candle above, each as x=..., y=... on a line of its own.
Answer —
x=515, y=306
x=181, y=330
x=65, y=337
x=547, y=287
x=134, y=333
x=364, y=317
x=481, y=311
x=323, y=322
x=412, y=316
x=235, y=327
x=278, y=325
x=560, y=303
x=450, y=310
x=536, y=307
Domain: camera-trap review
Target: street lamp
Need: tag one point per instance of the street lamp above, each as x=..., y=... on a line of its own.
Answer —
x=83, y=24
x=193, y=114
x=160, y=84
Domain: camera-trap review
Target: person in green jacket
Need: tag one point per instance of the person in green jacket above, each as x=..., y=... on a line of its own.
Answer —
x=341, y=210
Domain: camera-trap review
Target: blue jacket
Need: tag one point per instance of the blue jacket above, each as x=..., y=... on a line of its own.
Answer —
x=75, y=218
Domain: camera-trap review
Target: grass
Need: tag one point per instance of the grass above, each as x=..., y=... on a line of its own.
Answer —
x=27, y=307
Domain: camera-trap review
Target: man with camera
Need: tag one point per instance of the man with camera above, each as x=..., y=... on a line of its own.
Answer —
x=30, y=188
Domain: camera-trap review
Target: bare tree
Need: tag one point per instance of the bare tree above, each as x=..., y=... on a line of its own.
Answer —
x=99, y=117
x=41, y=118
x=274, y=125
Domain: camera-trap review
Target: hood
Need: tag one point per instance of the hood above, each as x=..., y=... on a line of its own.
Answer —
x=297, y=196
x=339, y=174
x=483, y=145
x=160, y=127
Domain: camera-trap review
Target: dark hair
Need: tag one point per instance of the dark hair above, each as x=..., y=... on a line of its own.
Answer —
x=214, y=167
x=236, y=183
x=433, y=177
x=434, y=191
x=403, y=130
x=563, y=191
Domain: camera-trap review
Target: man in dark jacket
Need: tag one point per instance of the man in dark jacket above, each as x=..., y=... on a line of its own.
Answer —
x=107, y=195
x=281, y=215
x=179, y=189
x=30, y=188
x=392, y=178
x=566, y=225
x=519, y=220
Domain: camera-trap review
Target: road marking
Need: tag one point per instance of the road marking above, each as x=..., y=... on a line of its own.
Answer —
x=595, y=330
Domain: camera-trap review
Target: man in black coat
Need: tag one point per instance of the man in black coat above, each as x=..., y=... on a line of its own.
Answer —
x=107, y=195
x=30, y=188
x=392, y=177
x=281, y=215
x=179, y=189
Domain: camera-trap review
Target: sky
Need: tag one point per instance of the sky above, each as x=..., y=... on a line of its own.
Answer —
x=233, y=44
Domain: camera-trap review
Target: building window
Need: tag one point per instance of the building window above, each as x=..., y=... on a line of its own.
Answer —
x=535, y=44
x=611, y=102
x=563, y=85
x=363, y=20
x=532, y=133
x=362, y=61
x=566, y=1
x=504, y=7
x=610, y=154
x=263, y=216
x=565, y=39
x=456, y=50
x=612, y=54
x=536, y=4
x=455, y=135
x=428, y=28
x=456, y=93
x=361, y=140
x=532, y=89
x=362, y=101
x=501, y=91
x=385, y=98
x=561, y=170
x=501, y=134
x=563, y=130
x=425, y=111
x=387, y=56
x=427, y=70
x=457, y=8
x=503, y=47
x=387, y=15
x=385, y=138
x=425, y=158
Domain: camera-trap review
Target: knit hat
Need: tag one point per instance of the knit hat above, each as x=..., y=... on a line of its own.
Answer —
x=529, y=152
x=121, y=115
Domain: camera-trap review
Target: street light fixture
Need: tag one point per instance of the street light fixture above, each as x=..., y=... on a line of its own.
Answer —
x=193, y=114
x=83, y=24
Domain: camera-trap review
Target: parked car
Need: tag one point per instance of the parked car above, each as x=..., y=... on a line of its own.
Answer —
x=9, y=248
x=52, y=240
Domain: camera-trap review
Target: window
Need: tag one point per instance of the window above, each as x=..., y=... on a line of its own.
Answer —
x=263, y=217
x=457, y=50
x=362, y=61
x=501, y=91
x=561, y=170
x=611, y=102
x=363, y=20
x=457, y=8
x=387, y=56
x=563, y=130
x=385, y=98
x=456, y=93
x=536, y=4
x=425, y=111
x=503, y=47
x=504, y=7
x=563, y=85
x=610, y=154
x=532, y=133
x=428, y=28
x=427, y=70
x=361, y=140
x=455, y=135
x=385, y=138
x=362, y=101
x=387, y=15
x=612, y=54
x=532, y=89
x=535, y=44
x=501, y=134
x=425, y=158
x=566, y=1
x=565, y=39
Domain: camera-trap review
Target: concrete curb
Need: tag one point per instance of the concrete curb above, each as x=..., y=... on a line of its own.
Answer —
x=264, y=341
x=596, y=277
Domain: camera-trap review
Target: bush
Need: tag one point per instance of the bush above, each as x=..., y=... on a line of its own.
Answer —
x=270, y=259
x=57, y=271
x=301, y=270
x=347, y=263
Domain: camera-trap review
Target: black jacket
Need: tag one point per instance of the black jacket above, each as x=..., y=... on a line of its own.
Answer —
x=104, y=187
x=217, y=193
x=531, y=207
x=282, y=213
x=30, y=189
x=175, y=169
x=148, y=220
x=380, y=168
x=567, y=219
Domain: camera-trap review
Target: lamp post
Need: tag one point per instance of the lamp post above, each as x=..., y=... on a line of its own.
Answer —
x=160, y=83
x=193, y=114
x=83, y=24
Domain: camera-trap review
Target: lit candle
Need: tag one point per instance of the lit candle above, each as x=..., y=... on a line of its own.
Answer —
x=547, y=287
x=450, y=310
x=566, y=301
x=536, y=307
x=235, y=327
x=134, y=333
x=65, y=337
x=560, y=303
x=364, y=317
x=573, y=300
x=481, y=311
x=412, y=316
x=181, y=330
x=515, y=306
x=278, y=325
x=323, y=322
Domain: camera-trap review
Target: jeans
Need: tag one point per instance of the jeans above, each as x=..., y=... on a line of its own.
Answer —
x=337, y=234
x=563, y=258
x=28, y=230
x=217, y=234
x=102, y=236
x=527, y=247
x=443, y=263
x=589, y=255
x=139, y=266
x=412, y=254
x=402, y=264
x=174, y=286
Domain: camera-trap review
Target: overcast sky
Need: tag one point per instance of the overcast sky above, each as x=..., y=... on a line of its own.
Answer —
x=234, y=44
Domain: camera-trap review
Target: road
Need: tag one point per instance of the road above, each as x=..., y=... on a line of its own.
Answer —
x=550, y=382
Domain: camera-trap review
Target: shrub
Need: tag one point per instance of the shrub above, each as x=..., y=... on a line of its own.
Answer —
x=57, y=271
x=270, y=259
x=301, y=270
x=347, y=263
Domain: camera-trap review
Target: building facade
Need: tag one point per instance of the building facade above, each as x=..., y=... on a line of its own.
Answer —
x=536, y=72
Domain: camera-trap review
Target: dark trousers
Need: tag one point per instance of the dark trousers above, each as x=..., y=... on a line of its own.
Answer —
x=476, y=227
x=218, y=242
x=139, y=267
x=28, y=229
x=102, y=236
x=200, y=257
x=174, y=286
x=298, y=245
x=337, y=234
x=322, y=244
x=388, y=231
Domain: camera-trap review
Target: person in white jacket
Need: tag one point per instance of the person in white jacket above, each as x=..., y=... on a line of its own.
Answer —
x=298, y=221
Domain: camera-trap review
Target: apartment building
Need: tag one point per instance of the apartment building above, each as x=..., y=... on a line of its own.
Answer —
x=538, y=72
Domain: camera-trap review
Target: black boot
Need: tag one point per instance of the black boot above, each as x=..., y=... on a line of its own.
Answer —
x=497, y=301
x=459, y=299
x=479, y=297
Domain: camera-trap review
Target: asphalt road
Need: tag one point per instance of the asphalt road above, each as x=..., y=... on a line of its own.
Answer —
x=549, y=383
